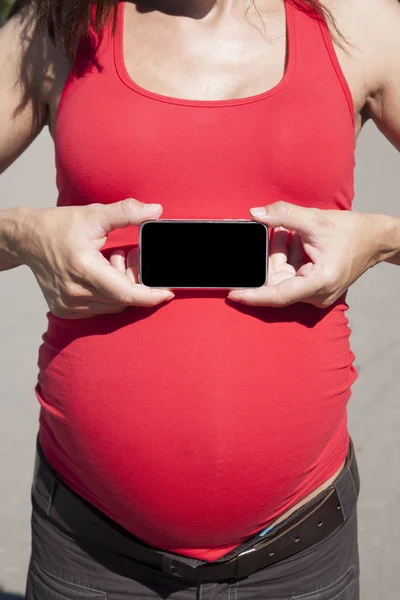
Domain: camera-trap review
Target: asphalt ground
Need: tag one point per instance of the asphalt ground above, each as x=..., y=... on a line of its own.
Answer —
x=374, y=409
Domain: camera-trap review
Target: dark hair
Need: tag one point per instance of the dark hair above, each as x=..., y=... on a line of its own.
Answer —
x=68, y=21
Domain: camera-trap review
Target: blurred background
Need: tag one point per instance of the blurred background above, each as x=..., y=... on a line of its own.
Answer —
x=374, y=409
x=4, y=5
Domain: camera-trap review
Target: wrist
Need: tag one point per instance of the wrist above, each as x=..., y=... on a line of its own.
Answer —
x=385, y=237
x=14, y=234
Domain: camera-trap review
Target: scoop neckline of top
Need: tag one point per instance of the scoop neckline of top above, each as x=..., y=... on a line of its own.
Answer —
x=129, y=82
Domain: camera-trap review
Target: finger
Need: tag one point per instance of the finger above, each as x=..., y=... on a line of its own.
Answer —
x=295, y=251
x=127, y=212
x=278, y=251
x=102, y=308
x=132, y=265
x=91, y=294
x=80, y=294
x=133, y=257
x=85, y=312
x=119, y=288
x=290, y=216
x=117, y=260
x=132, y=275
x=289, y=291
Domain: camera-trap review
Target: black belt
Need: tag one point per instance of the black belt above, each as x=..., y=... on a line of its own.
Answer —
x=305, y=527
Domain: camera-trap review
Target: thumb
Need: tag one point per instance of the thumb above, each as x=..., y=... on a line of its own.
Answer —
x=289, y=216
x=127, y=212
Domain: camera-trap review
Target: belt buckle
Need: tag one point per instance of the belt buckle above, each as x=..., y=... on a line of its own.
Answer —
x=169, y=566
x=206, y=572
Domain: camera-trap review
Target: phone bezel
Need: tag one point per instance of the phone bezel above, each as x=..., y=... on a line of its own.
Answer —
x=219, y=221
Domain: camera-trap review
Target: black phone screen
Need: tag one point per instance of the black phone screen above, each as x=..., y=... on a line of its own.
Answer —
x=203, y=254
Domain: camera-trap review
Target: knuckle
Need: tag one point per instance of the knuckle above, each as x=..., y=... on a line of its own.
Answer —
x=330, y=282
x=90, y=212
x=59, y=311
x=61, y=303
x=77, y=216
x=128, y=206
x=283, y=301
x=73, y=290
x=76, y=264
x=325, y=302
x=282, y=207
x=323, y=299
x=125, y=299
x=80, y=265
x=93, y=207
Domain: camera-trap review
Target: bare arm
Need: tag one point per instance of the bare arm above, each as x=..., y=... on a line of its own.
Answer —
x=383, y=101
x=24, y=81
x=61, y=245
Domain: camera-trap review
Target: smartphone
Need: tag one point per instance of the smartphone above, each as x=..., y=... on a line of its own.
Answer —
x=203, y=254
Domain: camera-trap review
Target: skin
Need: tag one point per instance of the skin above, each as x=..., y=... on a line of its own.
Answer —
x=248, y=50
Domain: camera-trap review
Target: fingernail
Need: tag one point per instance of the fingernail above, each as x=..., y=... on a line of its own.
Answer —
x=152, y=207
x=258, y=211
x=170, y=297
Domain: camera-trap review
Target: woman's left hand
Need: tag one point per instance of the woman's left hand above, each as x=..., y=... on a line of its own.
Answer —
x=338, y=247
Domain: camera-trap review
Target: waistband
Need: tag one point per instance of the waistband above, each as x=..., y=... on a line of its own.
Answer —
x=308, y=525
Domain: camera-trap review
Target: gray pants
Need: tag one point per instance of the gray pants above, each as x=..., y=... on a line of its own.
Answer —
x=65, y=566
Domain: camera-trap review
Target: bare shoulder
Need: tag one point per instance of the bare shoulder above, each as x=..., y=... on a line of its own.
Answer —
x=373, y=30
x=29, y=63
x=30, y=67
x=373, y=59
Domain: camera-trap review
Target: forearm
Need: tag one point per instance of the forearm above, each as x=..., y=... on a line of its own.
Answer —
x=385, y=232
x=11, y=238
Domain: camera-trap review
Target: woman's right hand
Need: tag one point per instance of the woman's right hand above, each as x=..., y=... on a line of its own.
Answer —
x=62, y=246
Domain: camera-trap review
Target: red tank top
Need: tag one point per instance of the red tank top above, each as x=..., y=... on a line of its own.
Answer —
x=197, y=423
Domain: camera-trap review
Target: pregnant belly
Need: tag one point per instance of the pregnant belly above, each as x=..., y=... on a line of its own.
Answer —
x=197, y=423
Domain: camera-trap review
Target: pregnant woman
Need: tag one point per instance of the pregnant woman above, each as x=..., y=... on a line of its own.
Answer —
x=194, y=444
